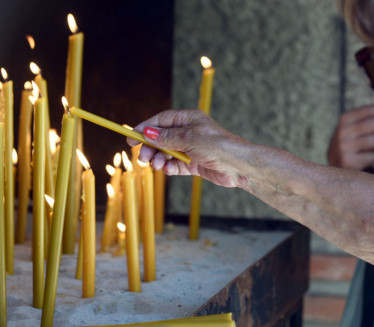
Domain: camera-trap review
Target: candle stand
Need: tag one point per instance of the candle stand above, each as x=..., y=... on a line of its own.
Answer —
x=256, y=269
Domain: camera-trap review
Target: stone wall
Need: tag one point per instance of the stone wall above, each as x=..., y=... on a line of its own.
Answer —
x=278, y=82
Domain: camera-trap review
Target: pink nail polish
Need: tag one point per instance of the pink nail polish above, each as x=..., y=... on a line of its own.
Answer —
x=151, y=133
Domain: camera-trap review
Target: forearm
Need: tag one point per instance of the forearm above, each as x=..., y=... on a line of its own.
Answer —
x=335, y=203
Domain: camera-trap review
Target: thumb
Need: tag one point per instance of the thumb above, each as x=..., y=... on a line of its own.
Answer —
x=175, y=138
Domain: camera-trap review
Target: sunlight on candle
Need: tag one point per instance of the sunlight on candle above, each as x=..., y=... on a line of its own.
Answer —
x=4, y=73
x=27, y=85
x=121, y=227
x=126, y=162
x=14, y=156
x=35, y=93
x=117, y=160
x=31, y=41
x=65, y=104
x=72, y=24
x=110, y=169
x=34, y=68
x=110, y=190
x=83, y=160
x=205, y=62
x=50, y=201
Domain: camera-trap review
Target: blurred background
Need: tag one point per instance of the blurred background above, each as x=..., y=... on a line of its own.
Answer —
x=284, y=74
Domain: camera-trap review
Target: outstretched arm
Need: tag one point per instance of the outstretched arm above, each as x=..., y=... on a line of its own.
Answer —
x=335, y=203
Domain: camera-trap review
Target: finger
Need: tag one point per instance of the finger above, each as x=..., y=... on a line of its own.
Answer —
x=130, y=141
x=146, y=153
x=364, y=143
x=355, y=115
x=159, y=160
x=360, y=128
x=176, y=167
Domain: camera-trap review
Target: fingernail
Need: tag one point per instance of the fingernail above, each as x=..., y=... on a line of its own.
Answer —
x=151, y=133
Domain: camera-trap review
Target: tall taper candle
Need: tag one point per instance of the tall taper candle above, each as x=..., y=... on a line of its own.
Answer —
x=54, y=253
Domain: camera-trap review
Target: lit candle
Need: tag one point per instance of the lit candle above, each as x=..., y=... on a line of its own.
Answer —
x=51, y=203
x=55, y=150
x=121, y=238
x=132, y=250
x=14, y=161
x=42, y=84
x=38, y=197
x=88, y=227
x=205, y=100
x=159, y=201
x=24, y=167
x=116, y=182
x=109, y=218
x=73, y=85
x=149, y=251
x=124, y=131
x=3, y=304
x=8, y=174
x=54, y=253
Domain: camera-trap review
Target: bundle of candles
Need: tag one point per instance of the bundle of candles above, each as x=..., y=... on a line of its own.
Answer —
x=134, y=210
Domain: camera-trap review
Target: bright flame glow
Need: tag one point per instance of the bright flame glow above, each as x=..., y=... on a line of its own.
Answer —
x=34, y=68
x=128, y=127
x=142, y=164
x=14, y=156
x=31, y=41
x=126, y=162
x=54, y=139
x=83, y=159
x=117, y=160
x=121, y=227
x=4, y=73
x=1, y=86
x=65, y=104
x=35, y=93
x=110, y=190
x=110, y=169
x=72, y=24
x=205, y=62
x=50, y=201
x=27, y=85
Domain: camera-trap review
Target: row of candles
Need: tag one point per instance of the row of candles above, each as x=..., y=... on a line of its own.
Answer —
x=59, y=177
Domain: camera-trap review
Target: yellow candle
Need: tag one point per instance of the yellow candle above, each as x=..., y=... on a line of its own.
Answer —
x=89, y=228
x=79, y=269
x=24, y=166
x=8, y=175
x=42, y=84
x=124, y=131
x=149, y=245
x=132, y=250
x=3, y=304
x=121, y=238
x=73, y=85
x=109, y=218
x=55, y=151
x=38, y=201
x=159, y=201
x=54, y=253
x=205, y=101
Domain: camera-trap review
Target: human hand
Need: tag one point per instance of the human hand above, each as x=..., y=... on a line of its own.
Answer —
x=352, y=145
x=194, y=133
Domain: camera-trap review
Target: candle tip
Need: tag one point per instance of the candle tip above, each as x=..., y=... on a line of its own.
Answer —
x=49, y=200
x=110, y=170
x=121, y=227
x=83, y=160
x=14, y=156
x=72, y=24
x=110, y=190
x=31, y=41
x=4, y=73
x=205, y=62
x=117, y=160
x=27, y=86
x=126, y=161
x=34, y=68
x=65, y=104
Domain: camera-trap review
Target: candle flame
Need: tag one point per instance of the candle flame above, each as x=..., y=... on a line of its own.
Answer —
x=35, y=93
x=65, y=104
x=110, y=170
x=27, y=85
x=50, y=201
x=4, y=73
x=142, y=164
x=128, y=127
x=14, y=156
x=205, y=62
x=126, y=161
x=117, y=160
x=121, y=227
x=110, y=190
x=34, y=68
x=72, y=24
x=31, y=41
x=83, y=159
x=54, y=139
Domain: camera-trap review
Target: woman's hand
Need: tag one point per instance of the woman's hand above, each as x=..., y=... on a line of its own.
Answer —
x=352, y=145
x=194, y=133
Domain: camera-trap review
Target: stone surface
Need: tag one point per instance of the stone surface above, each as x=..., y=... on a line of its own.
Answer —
x=277, y=82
